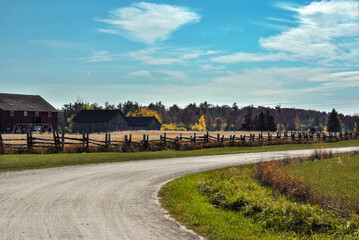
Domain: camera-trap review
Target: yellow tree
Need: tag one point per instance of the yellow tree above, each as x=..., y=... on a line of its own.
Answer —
x=325, y=129
x=202, y=124
x=144, y=112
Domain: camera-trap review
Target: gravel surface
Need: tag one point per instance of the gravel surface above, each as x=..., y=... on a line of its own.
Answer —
x=104, y=201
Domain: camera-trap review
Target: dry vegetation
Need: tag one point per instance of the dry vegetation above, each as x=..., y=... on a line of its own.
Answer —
x=136, y=135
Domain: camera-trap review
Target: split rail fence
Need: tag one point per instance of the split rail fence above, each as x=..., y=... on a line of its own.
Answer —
x=62, y=143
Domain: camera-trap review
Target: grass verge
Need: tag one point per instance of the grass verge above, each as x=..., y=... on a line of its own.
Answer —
x=335, y=178
x=231, y=204
x=13, y=162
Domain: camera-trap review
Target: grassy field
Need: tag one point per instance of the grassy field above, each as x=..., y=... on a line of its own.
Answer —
x=14, y=162
x=337, y=177
x=231, y=204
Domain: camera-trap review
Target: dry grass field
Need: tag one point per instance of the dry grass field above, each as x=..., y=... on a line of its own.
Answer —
x=120, y=135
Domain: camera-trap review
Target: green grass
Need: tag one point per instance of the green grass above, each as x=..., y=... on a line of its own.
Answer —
x=231, y=204
x=12, y=162
x=337, y=177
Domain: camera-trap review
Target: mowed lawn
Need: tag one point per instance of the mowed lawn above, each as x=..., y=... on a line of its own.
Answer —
x=12, y=162
x=337, y=177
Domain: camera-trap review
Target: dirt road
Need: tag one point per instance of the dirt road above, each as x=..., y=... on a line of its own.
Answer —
x=107, y=201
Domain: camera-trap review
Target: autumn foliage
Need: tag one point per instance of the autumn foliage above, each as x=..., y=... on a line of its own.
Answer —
x=144, y=112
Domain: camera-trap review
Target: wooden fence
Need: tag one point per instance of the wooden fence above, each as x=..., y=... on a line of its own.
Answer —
x=61, y=143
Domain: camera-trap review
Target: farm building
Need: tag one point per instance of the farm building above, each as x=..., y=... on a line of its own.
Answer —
x=143, y=123
x=20, y=113
x=89, y=121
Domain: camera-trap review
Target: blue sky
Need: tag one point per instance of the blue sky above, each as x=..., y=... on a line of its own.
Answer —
x=302, y=54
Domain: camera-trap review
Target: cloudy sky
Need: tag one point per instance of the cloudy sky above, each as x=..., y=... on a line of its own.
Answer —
x=299, y=53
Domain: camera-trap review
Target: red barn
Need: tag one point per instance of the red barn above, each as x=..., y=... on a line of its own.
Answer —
x=19, y=113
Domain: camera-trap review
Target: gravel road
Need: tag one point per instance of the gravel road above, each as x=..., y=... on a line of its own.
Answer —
x=105, y=201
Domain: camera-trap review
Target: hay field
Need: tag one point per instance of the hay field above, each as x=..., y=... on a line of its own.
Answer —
x=120, y=135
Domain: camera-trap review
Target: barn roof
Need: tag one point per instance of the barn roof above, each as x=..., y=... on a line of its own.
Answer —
x=96, y=115
x=140, y=121
x=21, y=102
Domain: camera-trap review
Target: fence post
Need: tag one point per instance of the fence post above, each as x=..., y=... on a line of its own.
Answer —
x=164, y=138
x=87, y=141
x=217, y=137
x=28, y=143
x=1, y=144
x=106, y=140
x=144, y=140
x=62, y=140
x=194, y=137
x=83, y=141
x=55, y=142
x=207, y=137
x=181, y=137
x=269, y=137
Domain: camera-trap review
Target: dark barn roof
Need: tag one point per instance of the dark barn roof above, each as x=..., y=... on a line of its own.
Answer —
x=20, y=102
x=140, y=121
x=96, y=115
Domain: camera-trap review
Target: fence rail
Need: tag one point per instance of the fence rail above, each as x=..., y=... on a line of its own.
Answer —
x=61, y=143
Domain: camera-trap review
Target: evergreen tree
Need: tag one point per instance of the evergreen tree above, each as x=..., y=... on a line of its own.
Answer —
x=333, y=122
x=270, y=123
x=255, y=123
x=247, y=124
x=261, y=122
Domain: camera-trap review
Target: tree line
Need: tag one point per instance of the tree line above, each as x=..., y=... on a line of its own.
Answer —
x=210, y=117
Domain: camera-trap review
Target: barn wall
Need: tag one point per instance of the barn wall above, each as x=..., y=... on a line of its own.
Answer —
x=154, y=125
x=19, y=118
x=119, y=122
x=91, y=127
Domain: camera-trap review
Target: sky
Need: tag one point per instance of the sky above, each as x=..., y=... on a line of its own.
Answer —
x=298, y=53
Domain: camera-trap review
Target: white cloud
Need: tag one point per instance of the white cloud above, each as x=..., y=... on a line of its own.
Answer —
x=99, y=56
x=175, y=75
x=146, y=56
x=196, y=54
x=265, y=86
x=141, y=74
x=168, y=56
x=251, y=57
x=322, y=29
x=320, y=24
x=148, y=22
x=211, y=67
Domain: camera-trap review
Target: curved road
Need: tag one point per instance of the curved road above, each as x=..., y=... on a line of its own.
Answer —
x=106, y=201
